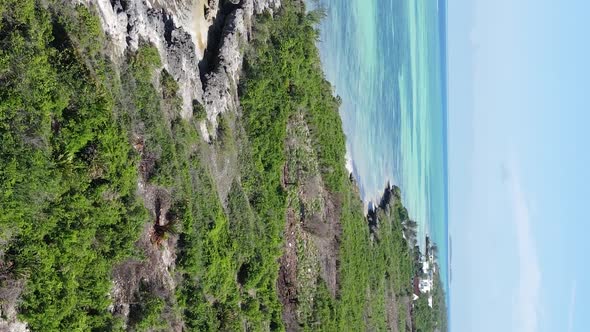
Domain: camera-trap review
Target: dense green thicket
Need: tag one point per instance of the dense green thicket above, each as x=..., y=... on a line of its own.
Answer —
x=373, y=268
x=376, y=272
x=67, y=172
x=67, y=125
x=283, y=76
x=227, y=274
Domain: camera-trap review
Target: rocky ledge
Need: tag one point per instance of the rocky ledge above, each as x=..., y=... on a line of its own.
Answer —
x=185, y=32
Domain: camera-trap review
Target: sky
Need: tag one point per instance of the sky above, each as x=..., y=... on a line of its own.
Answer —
x=519, y=177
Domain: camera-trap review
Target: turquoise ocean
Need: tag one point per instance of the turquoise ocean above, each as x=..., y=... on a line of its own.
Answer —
x=387, y=61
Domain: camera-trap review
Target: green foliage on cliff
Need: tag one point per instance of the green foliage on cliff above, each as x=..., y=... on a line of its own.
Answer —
x=283, y=75
x=67, y=172
x=227, y=274
x=375, y=273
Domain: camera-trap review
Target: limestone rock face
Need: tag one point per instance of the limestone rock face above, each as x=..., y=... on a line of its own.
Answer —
x=180, y=30
x=220, y=84
x=171, y=26
x=220, y=93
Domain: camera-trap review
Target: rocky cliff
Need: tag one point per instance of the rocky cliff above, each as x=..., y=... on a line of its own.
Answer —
x=198, y=41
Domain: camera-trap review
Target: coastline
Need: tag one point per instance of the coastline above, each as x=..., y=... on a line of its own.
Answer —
x=397, y=143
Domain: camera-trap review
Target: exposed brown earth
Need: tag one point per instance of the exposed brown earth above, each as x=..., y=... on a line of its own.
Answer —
x=312, y=228
x=392, y=311
x=287, y=281
x=328, y=244
x=158, y=246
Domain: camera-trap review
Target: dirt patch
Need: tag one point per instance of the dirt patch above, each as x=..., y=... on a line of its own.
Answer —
x=157, y=245
x=155, y=271
x=392, y=311
x=11, y=286
x=287, y=280
x=328, y=242
x=312, y=229
x=319, y=210
x=407, y=306
x=201, y=25
x=10, y=291
x=222, y=153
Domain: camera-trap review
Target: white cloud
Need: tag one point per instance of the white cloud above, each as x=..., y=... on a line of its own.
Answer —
x=572, y=308
x=529, y=283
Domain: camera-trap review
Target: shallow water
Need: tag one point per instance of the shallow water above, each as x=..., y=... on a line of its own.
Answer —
x=387, y=61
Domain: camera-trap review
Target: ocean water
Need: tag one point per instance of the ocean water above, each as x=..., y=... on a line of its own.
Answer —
x=387, y=61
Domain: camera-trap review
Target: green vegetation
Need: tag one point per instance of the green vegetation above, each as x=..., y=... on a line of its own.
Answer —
x=145, y=314
x=79, y=136
x=426, y=318
x=227, y=275
x=199, y=112
x=374, y=267
x=283, y=78
x=67, y=172
x=283, y=75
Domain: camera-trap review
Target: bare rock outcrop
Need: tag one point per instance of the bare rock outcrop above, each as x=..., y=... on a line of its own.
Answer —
x=180, y=30
x=220, y=84
x=220, y=93
x=176, y=28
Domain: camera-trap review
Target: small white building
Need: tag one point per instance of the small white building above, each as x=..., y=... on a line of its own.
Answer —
x=425, y=266
x=425, y=285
